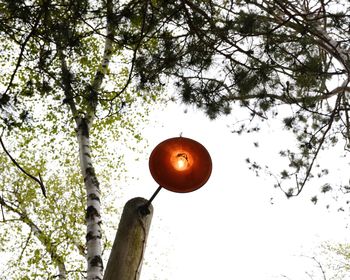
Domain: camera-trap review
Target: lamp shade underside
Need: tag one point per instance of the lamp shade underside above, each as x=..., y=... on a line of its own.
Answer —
x=180, y=164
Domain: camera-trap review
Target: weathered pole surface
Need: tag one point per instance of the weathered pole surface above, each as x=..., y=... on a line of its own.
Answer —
x=129, y=246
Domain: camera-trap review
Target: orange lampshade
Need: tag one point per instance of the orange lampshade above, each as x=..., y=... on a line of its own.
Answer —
x=180, y=164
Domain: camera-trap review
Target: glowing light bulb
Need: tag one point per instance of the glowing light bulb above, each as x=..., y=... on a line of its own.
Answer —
x=181, y=161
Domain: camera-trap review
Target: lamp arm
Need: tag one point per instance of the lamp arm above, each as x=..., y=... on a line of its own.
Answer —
x=144, y=208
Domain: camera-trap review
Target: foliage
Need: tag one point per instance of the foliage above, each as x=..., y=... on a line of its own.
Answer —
x=332, y=262
x=275, y=59
x=60, y=216
x=338, y=259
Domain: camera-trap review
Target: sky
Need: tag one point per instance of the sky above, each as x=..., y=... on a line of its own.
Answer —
x=237, y=226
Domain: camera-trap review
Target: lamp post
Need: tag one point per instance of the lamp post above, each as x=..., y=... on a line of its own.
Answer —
x=177, y=164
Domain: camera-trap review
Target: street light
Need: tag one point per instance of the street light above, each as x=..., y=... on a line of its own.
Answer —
x=177, y=164
x=180, y=164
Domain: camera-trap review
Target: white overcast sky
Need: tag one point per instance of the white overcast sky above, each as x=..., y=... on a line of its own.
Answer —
x=229, y=229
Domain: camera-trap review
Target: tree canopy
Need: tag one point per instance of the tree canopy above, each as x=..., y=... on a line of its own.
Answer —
x=275, y=59
x=77, y=74
x=272, y=58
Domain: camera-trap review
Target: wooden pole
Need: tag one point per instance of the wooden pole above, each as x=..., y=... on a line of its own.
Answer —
x=129, y=245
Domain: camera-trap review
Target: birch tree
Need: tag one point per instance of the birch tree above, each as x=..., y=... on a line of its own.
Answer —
x=59, y=89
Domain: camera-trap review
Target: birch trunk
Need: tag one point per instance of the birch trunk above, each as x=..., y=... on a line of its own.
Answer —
x=93, y=205
x=84, y=124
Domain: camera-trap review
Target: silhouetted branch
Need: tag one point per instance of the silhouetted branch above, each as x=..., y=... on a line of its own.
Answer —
x=39, y=181
x=23, y=46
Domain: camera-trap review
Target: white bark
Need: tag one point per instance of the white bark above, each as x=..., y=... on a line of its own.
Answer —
x=324, y=41
x=100, y=74
x=338, y=52
x=93, y=210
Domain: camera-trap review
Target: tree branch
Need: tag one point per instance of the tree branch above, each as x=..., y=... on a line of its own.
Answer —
x=39, y=181
x=24, y=44
x=66, y=82
x=39, y=234
x=101, y=72
x=320, y=144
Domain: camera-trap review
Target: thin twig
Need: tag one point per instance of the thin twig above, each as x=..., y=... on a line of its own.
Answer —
x=320, y=144
x=2, y=212
x=26, y=245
